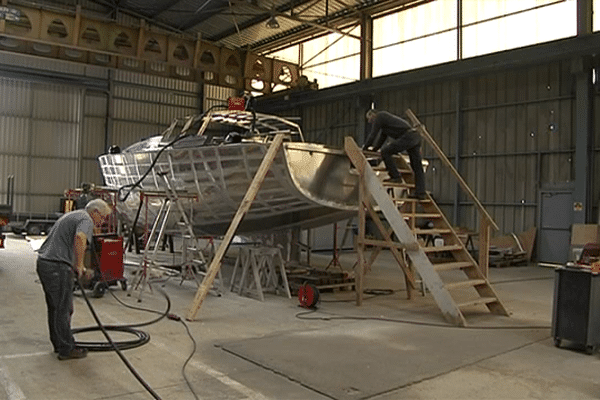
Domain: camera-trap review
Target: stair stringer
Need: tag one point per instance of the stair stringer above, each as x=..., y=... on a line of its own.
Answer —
x=420, y=261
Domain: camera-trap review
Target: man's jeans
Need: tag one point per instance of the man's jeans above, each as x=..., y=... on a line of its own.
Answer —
x=57, y=281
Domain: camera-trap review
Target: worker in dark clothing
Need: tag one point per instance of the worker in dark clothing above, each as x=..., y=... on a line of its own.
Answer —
x=403, y=138
x=84, y=197
x=59, y=258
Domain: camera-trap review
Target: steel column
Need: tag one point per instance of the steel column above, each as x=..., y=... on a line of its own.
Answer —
x=584, y=138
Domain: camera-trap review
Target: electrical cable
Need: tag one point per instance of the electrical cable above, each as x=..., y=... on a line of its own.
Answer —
x=114, y=346
x=301, y=315
x=142, y=336
x=175, y=317
x=162, y=149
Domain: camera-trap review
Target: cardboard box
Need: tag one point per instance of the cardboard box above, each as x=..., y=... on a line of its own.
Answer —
x=581, y=234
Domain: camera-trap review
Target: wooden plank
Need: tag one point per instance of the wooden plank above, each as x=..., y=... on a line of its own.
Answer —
x=436, y=249
x=480, y=301
x=215, y=264
x=384, y=243
x=466, y=284
x=359, y=274
x=484, y=247
x=453, y=265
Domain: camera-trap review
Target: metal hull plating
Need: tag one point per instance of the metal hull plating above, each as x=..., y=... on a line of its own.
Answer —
x=307, y=185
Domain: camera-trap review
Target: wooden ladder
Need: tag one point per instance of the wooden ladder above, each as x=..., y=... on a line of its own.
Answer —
x=455, y=281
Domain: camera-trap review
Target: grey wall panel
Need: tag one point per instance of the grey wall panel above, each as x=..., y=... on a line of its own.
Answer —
x=168, y=97
x=44, y=203
x=93, y=136
x=155, y=81
x=154, y=113
x=52, y=176
x=90, y=172
x=126, y=133
x=56, y=103
x=95, y=104
x=15, y=98
x=43, y=64
x=216, y=95
x=55, y=139
x=14, y=135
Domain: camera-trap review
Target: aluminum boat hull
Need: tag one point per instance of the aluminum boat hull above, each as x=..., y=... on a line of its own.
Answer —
x=308, y=185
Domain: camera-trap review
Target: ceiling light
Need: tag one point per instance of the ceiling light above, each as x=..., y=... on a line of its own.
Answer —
x=272, y=23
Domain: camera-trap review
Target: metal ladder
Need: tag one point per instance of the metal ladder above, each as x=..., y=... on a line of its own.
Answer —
x=455, y=284
x=192, y=256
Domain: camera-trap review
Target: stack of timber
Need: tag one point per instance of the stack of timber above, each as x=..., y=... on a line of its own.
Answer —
x=325, y=281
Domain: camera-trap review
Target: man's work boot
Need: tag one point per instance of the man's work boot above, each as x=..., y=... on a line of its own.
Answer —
x=77, y=352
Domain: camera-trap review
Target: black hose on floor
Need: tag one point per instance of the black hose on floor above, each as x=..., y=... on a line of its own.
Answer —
x=143, y=338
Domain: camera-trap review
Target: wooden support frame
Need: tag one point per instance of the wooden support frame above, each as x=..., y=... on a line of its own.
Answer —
x=215, y=264
x=387, y=242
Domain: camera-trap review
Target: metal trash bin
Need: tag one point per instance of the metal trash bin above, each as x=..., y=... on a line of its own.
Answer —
x=576, y=311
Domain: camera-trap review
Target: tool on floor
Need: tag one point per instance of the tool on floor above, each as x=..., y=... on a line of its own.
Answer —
x=308, y=296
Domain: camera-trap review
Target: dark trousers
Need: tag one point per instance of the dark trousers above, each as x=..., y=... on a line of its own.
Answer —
x=411, y=143
x=57, y=281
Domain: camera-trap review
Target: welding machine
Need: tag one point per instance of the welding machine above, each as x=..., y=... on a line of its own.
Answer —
x=106, y=260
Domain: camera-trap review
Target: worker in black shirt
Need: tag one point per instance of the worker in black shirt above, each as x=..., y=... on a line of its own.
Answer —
x=403, y=138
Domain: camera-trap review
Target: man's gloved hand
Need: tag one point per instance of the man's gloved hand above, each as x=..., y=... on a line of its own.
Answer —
x=85, y=276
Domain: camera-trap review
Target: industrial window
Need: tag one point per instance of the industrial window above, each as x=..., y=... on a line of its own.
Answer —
x=596, y=15
x=329, y=60
x=428, y=34
x=416, y=37
x=491, y=26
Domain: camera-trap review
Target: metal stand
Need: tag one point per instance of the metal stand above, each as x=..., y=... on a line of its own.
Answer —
x=191, y=255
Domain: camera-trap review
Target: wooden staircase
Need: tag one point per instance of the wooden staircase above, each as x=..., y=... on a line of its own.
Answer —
x=449, y=272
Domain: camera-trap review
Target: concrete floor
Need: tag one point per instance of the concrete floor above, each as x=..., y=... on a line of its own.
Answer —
x=247, y=349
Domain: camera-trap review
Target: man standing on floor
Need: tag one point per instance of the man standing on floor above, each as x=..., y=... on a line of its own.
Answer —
x=404, y=138
x=60, y=257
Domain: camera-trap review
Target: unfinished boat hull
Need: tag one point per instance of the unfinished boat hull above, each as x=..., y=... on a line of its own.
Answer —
x=307, y=185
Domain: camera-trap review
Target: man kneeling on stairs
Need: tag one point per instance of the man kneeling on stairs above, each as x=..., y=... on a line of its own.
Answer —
x=404, y=138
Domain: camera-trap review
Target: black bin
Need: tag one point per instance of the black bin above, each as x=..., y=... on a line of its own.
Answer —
x=576, y=311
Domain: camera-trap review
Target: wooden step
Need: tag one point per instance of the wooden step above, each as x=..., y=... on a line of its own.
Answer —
x=465, y=284
x=383, y=168
x=403, y=171
x=434, y=231
x=452, y=265
x=439, y=249
x=398, y=185
x=421, y=215
x=398, y=201
x=477, y=302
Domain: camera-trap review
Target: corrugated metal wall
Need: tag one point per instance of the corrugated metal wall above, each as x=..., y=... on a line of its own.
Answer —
x=514, y=131
x=40, y=139
x=145, y=105
x=51, y=133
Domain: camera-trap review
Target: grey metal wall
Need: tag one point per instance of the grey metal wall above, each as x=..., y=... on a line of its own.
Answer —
x=40, y=138
x=57, y=117
x=508, y=133
x=144, y=105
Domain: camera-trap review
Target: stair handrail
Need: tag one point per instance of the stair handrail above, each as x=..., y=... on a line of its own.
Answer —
x=485, y=220
x=423, y=132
